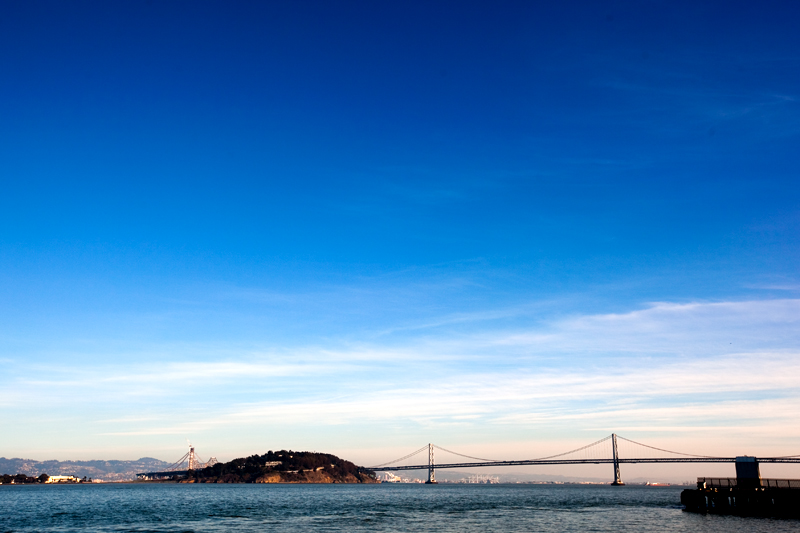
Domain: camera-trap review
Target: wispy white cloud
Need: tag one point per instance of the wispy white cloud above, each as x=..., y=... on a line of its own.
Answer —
x=672, y=329
x=699, y=365
x=724, y=393
x=777, y=286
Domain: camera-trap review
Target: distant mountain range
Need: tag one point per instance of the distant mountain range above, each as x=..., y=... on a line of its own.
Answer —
x=104, y=470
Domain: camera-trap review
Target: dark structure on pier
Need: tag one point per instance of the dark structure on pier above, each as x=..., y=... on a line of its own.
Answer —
x=745, y=495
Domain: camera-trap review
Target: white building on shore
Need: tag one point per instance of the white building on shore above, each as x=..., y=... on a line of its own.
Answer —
x=62, y=479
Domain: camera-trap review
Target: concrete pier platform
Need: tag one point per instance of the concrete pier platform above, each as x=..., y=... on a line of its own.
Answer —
x=778, y=498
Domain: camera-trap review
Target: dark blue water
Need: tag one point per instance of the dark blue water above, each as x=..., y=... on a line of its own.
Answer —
x=213, y=508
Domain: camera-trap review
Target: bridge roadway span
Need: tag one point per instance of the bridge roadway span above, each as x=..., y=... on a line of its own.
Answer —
x=746, y=466
x=584, y=461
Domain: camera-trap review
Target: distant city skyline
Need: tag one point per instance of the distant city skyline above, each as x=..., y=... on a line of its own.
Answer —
x=509, y=228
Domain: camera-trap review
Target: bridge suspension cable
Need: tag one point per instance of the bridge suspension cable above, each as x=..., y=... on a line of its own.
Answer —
x=572, y=451
x=178, y=463
x=462, y=455
x=663, y=450
x=194, y=462
x=412, y=454
x=594, y=454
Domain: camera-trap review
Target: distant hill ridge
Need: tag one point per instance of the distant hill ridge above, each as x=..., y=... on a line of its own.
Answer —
x=113, y=470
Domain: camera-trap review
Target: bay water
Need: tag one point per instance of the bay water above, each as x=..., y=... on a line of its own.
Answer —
x=139, y=507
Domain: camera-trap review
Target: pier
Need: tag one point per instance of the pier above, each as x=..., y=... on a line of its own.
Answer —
x=745, y=495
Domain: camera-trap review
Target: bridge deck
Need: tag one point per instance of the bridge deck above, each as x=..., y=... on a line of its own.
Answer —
x=585, y=461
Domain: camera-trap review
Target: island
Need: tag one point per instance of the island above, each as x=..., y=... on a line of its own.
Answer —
x=285, y=466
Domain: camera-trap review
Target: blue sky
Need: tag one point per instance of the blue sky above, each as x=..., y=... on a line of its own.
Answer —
x=360, y=228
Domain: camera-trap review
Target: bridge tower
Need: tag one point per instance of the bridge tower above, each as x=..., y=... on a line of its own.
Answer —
x=192, y=458
x=617, y=477
x=431, y=468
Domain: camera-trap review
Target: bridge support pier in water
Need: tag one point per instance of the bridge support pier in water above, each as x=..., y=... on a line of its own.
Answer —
x=617, y=477
x=431, y=468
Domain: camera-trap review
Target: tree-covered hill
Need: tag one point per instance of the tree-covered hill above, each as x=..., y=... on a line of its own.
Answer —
x=284, y=466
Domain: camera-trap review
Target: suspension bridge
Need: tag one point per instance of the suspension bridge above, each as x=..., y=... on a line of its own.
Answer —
x=189, y=461
x=613, y=450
